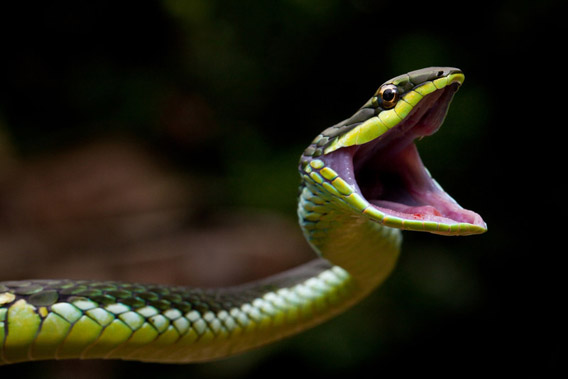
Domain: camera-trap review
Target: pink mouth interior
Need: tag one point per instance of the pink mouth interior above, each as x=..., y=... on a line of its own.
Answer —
x=390, y=175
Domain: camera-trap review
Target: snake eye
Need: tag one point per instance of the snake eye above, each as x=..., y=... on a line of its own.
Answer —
x=388, y=96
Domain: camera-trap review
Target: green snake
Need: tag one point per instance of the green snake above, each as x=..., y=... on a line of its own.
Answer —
x=362, y=182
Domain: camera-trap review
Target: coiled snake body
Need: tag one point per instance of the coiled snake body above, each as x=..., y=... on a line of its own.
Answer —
x=362, y=182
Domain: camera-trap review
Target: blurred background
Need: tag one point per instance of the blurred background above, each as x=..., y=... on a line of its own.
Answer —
x=158, y=142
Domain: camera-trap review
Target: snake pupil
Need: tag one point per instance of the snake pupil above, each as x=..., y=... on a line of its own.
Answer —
x=388, y=95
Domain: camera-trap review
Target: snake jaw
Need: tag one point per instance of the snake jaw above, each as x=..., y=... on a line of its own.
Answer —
x=406, y=190
x=389, y=175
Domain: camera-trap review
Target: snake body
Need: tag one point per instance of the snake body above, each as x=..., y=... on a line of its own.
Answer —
x=362, y=182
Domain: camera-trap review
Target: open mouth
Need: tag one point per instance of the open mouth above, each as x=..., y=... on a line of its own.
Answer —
x=390, y=175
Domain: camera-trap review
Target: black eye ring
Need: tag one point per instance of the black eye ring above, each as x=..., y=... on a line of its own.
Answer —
x=387, y=96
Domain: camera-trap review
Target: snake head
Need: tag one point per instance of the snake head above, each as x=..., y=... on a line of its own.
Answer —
x=370, y=160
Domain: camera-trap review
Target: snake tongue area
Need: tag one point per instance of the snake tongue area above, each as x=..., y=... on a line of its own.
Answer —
x=390, y=175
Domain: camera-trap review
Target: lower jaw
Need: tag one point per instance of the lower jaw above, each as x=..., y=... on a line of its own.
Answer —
x=407, y=191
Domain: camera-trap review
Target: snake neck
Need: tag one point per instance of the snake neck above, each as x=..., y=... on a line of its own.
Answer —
x=366, y=250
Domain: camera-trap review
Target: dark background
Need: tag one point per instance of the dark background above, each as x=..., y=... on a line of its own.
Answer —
x=155, y=129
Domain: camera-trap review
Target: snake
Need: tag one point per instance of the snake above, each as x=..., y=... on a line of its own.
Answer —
x=362, y=182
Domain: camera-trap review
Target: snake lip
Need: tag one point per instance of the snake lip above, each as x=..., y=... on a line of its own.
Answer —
x=390, y=175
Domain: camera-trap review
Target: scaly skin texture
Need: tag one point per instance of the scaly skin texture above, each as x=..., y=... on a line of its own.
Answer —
x=357, y=243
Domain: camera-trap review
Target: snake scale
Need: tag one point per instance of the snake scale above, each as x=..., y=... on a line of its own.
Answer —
x=362, y=182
